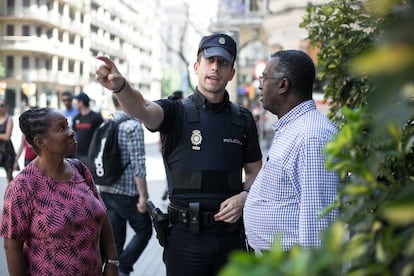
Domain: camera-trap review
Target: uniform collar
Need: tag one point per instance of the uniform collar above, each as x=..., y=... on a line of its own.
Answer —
x=202, y=101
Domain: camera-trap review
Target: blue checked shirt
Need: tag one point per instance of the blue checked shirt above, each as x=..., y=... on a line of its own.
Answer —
x=293, y=185
x=131, y=144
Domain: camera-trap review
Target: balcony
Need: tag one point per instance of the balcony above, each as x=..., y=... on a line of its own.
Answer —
x=252, y=19
x=31, y=44
x=41, y=15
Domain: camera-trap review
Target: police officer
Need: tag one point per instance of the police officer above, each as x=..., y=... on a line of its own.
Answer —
x=207, y=141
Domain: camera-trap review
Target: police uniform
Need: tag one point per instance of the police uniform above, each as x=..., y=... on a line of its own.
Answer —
x=204, y=147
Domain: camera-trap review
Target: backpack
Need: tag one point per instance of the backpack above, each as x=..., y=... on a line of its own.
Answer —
x=104, y=155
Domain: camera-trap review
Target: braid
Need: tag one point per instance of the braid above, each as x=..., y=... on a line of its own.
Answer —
x=34, y=122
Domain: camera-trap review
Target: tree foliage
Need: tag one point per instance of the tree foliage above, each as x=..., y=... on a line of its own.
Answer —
x=366, y=62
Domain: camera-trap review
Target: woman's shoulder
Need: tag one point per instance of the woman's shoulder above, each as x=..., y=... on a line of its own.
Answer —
x=24, y=180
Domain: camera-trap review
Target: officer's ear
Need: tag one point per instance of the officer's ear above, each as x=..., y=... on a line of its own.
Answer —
x=195, y=67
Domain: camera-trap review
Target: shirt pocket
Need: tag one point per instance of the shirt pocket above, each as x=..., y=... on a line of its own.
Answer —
x=277, y=180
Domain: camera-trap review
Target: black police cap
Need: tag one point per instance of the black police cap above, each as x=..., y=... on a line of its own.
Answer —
x=220, y=45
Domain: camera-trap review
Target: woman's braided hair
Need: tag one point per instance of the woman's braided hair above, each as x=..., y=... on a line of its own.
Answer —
x=34, y=121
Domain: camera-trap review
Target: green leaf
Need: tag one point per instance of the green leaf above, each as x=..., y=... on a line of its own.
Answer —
x=399, y=212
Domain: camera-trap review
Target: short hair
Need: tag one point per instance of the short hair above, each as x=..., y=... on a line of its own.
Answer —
x=298, y=68
x=178, y=94
x=67, y=94
x=34, y=121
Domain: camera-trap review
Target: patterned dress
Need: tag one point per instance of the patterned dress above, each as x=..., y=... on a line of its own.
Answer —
x=59, y=221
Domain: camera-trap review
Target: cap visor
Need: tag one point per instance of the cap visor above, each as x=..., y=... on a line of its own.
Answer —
x=217, y=52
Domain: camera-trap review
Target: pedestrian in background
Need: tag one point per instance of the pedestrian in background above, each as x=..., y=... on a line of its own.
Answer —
x=126, y=198
x=206, y=143
x=69, y=111
x=29, y=153
x=293, y=186
x=84, y=125
x=7, y=153
x=54, y=221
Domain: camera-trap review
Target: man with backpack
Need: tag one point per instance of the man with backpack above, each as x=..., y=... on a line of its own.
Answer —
x=126, y=198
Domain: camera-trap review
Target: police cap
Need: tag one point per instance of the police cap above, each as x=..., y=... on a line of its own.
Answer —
x=220, y=45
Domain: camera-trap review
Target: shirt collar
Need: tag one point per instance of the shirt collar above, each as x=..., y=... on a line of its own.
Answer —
x=202, y=101
x=293, y=114
x=119, y=115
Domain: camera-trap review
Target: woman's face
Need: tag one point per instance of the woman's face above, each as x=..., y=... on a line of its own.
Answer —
x=60, y=139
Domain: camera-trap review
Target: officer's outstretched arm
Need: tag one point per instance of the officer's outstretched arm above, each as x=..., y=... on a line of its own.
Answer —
x=132, y=101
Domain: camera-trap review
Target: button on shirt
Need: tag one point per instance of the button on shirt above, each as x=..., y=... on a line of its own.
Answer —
x=293, y=185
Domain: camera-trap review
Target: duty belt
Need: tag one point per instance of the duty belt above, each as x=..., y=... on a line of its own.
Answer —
x=192, y=217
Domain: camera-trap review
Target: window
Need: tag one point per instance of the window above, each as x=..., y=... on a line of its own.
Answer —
x=9, y=66
x=10, y=3
x=49, y=33
x=60, y=64
x=71, y=66
x=25, y=62
x=47, y=64
x=9, y=63
x=38, y=31
x=10, y=30
x=25, y=30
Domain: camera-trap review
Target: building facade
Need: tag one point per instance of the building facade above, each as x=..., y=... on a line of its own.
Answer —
x=261, y=27
x=49, y=46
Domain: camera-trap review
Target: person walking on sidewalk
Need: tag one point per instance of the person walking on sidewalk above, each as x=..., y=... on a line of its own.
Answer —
x=7, y=152
x=84, y=124
x=69, y=111
x=54, y=221
x=207, y=142
x=29, y=153
x=125, y=200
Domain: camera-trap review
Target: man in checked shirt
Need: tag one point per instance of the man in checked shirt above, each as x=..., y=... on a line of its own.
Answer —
x=126, y=199
x=293, y=186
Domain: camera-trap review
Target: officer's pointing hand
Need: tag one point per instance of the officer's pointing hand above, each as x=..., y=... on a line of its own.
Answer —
x=108, y=75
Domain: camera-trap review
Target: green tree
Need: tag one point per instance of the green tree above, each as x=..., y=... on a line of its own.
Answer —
x=171, y=81
x=366, y=61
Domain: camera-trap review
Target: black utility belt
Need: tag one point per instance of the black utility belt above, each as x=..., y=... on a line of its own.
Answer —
x=191, y=216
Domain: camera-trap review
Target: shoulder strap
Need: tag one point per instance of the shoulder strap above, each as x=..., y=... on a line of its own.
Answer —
x=191, y=109
x=88, y=180
x=235, y=114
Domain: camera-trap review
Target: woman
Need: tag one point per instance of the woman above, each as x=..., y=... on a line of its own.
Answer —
x=54, y=221
x=7, y=153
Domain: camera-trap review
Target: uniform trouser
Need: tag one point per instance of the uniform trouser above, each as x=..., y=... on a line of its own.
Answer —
x=200, y=254
x=122, y=209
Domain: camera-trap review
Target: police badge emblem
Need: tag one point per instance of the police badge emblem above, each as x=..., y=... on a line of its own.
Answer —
x=196, y=139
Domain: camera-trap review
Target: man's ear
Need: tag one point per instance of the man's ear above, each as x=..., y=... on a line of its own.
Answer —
x=284, y=86
x=195, y=67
